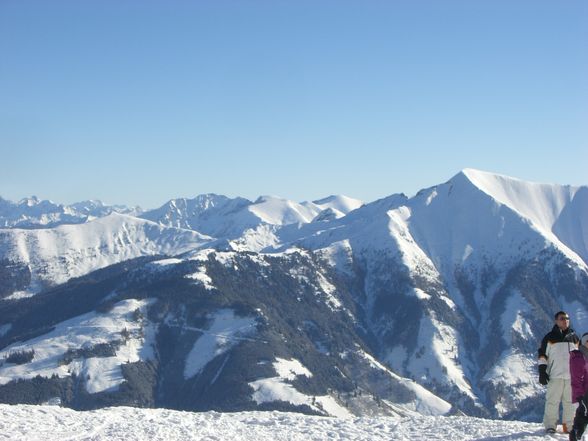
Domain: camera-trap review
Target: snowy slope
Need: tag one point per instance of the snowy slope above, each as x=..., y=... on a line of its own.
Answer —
x=52, y=423
x=130, y=339
x=559, y=212
x=278, y=389
x=54, y=255
x=333, y=207
x=278, y=211
x=226, y=331
x=341, y=203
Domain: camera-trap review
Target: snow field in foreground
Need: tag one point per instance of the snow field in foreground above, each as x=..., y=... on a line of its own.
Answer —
x=49, y=423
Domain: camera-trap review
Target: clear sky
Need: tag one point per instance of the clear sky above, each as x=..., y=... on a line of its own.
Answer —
x=138, y=102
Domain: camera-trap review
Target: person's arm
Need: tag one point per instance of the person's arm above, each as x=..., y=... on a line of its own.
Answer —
x=543, y=375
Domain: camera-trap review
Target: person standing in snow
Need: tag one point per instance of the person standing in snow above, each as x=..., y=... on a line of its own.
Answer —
x=554, y=371
x=579, y=378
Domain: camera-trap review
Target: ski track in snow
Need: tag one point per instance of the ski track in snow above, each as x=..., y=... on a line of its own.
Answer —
x=47, y=423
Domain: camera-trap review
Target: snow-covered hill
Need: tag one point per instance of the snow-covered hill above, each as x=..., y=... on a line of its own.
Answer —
x=52, y=423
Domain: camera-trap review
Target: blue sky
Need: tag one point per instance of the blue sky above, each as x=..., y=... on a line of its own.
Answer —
x=138, y=102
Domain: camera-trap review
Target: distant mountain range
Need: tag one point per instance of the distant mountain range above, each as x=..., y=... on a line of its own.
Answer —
x=33, y=213
x=432, y=304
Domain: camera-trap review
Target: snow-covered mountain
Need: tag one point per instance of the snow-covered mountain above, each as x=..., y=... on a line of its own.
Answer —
x=43, y=243
x=34, y=213
x=34, y=259
x=211, y=330
x=449, y=291
x=211, y=214
x=226, y=218
x=458, y=283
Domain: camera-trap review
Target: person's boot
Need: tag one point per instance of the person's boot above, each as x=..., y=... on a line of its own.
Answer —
x=565, y=428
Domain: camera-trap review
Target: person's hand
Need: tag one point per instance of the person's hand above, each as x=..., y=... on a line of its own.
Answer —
x=543, y=375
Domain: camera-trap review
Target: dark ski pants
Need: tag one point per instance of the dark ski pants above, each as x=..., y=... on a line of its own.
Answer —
x=581, y=418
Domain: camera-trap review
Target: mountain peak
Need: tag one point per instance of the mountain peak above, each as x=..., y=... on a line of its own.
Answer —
x=540, y=203
x=557, y=211
x=341, y=203
x=491, y=182
x=29, y=202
